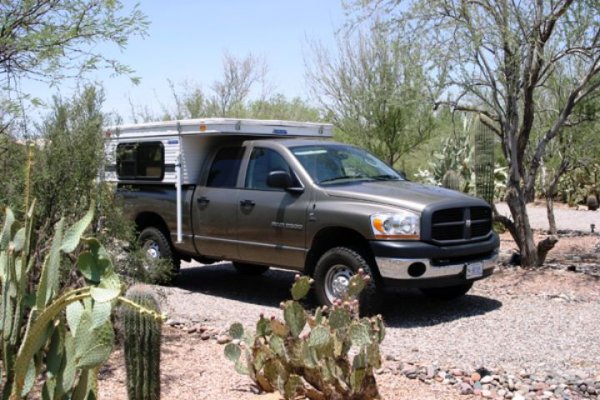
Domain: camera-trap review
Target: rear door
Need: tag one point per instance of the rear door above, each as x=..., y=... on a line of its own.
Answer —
x=271, y=222
x=215, y=205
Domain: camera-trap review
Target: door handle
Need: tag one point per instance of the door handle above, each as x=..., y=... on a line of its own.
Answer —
x=203, y=201
x=247, y=203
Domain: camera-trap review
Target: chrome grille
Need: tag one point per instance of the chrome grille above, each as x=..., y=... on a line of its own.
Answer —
x=460, y=224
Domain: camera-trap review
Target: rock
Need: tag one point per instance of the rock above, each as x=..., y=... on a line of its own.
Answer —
x=205, y=336
x=465, y=388
x=475, y=377
x=430, y=372
x=501, y=393
x=486, y=393
x=223, y=339
x=192, y=329
x=174, y=322
x=518, y=396
x=487, y=379
x=457, y=372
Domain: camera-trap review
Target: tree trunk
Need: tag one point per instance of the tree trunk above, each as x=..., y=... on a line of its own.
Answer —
x=531, y=255
x=550, y=212
x=523, y=234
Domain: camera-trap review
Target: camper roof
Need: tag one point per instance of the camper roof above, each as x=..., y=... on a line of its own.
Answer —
x=221, y=126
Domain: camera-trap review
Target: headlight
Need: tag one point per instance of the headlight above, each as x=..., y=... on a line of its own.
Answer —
x=402, y=225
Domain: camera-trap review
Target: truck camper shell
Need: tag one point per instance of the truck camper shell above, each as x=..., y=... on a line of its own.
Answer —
x=172, y=152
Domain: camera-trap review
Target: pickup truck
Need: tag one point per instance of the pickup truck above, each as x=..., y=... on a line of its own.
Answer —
x=282, y=194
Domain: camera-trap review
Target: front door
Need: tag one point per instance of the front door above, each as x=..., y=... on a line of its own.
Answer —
x=271, y=222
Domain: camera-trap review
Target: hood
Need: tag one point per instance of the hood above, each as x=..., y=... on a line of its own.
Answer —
x=403, y=194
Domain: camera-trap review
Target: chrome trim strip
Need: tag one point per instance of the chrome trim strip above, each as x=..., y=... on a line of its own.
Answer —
x=397, y=268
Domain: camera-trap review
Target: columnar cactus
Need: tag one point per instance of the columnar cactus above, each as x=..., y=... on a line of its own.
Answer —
x=331, y=354
x=484, y=160
x=142, y=345
x=451, y=180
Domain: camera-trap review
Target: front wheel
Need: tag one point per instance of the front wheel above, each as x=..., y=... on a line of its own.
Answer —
x=447, y=292
x=332, y=277
x=160, y=264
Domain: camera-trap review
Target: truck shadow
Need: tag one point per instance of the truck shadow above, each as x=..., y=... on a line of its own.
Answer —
x=402, y=308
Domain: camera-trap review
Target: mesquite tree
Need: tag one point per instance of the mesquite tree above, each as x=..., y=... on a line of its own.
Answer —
x=501, y=53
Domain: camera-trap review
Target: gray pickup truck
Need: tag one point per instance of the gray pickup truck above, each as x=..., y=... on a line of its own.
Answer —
x=302, y=203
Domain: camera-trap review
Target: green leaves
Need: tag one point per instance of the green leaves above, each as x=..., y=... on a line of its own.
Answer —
x=232, y=352
x=73, y=234
x=300, y=288
x=336, y=352
x=295, y=317
x=236, y=330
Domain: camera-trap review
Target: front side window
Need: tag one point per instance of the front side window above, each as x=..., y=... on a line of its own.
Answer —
x=225, y=167
x=145, y=161
x=336, y=163
x=262, y=162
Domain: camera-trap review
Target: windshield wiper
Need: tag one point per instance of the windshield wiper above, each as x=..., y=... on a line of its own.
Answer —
x=344, y=177
x=386, y=177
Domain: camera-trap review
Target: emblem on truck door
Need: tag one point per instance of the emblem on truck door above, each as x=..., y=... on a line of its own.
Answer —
x=286, y=225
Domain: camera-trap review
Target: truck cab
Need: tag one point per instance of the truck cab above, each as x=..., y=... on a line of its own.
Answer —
x=306, y=203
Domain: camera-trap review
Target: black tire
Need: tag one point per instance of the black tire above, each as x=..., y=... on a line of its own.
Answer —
x=335, y=268
x=156, y=246
x=447, y=292
x=250, y=269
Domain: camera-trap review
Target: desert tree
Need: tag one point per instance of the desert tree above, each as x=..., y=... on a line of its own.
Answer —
x=374, y=89
x=50, y=40
x=501, y=54
x=240, y=76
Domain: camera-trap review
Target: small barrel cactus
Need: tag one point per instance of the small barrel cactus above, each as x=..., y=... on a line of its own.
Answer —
x=142, y=331
x=592, y=202
x=484, y=139
x=451, y=180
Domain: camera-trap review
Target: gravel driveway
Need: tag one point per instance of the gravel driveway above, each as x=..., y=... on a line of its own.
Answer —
x=551, y=330
x=566, y=218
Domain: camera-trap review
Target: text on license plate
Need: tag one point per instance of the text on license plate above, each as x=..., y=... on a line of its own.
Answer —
x=474, y=270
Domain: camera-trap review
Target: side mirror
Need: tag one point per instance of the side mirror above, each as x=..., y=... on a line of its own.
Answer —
x=282, y=180
x=279, y=179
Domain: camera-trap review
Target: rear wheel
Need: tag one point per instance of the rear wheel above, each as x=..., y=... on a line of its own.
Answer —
x=332, y=277
x=250, y=269
x=160, y=264
x=447, y=292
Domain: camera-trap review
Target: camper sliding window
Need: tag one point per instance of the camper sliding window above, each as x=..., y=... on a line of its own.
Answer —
x=141, y=161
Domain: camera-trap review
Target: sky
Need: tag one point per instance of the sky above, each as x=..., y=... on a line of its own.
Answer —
x=187, y=39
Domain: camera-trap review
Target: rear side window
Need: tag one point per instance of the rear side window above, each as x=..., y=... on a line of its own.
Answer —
x=144, y=161
x=225, y=167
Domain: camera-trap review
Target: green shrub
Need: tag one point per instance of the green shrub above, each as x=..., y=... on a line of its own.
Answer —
x=331, y=354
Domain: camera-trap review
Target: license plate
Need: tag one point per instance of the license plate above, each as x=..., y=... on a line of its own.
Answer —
x=474, y=270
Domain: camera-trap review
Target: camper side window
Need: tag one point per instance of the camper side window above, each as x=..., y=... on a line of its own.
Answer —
x=144, y=161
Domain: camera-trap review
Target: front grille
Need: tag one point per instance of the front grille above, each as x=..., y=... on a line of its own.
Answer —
x=460, y=224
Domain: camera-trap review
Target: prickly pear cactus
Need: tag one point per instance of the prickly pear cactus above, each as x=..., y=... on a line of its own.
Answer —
x=484, y=146
x=451, y=180
x=67, y=335
x=142, y=345
x=329, y=354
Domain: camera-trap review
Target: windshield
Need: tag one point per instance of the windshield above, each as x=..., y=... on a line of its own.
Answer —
x=337, y=163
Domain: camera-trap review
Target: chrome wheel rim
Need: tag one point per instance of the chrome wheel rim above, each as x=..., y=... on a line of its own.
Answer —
x=152, y=249
x=337, y=280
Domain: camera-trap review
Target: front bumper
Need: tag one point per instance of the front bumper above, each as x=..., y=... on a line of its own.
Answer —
x=418, y=264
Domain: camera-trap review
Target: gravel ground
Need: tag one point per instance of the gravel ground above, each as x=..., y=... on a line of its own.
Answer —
x=549, y=330
x=576, y=219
